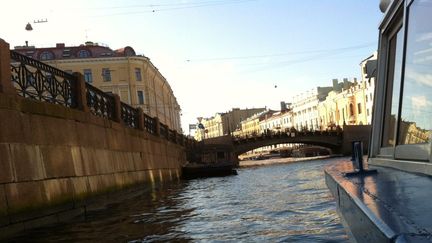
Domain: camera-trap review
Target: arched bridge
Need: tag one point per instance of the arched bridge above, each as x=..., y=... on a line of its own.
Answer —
x=337, y=141
x=332, y=140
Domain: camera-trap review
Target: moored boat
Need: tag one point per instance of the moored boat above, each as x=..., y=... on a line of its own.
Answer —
x=197, y=170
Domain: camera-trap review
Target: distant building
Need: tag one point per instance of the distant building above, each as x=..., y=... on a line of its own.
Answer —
x=133, y=77
x=224, y=123
x=351, y=103
x=368, y=71
x=305, y=105
x=280, y=121
x=347, y=107
x=251, y=126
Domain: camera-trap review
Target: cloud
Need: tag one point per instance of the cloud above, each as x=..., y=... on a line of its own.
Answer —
x=419, y=104
x=419, y=78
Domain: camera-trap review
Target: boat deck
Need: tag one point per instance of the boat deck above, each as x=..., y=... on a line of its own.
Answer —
x=390, y=206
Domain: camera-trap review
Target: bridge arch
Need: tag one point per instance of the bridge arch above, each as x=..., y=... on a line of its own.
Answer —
x=332, y=141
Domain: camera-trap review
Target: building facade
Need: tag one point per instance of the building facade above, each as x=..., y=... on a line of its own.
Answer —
x=280, y=121
x=251, y=126
x=348, y=107
x=223, y=123
x=133, y=77
x=305, y=105
x=368, y=71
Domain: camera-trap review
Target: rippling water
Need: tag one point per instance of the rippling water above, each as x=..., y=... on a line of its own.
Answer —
x=278, y=203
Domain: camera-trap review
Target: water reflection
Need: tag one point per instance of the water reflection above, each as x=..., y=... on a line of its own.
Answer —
x=274, y=203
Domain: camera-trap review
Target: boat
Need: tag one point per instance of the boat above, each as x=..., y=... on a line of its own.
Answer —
x=199, y=170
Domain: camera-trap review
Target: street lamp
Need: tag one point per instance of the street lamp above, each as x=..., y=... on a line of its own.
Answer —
x=29, y=27
x=39, y=21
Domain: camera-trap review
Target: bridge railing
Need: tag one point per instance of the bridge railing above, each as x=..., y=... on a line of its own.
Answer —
x=287, y=133
x=32, y=79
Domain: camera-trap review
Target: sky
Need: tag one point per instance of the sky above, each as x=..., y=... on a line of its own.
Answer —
x=215, y=54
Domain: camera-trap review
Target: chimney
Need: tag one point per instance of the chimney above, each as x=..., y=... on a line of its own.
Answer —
x=335, y=83
x=60, y=45
x=283, y=106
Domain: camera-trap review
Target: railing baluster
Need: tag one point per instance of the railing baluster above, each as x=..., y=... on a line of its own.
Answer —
x=100, y=103
x=129, y=115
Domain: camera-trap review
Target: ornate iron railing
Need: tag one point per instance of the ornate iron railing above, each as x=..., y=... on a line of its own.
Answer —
x=39, y=81
x=100, y=103
x=149, y=124
x=172, y=136
x=163, y=130
x=129, y=115
x=180, y=139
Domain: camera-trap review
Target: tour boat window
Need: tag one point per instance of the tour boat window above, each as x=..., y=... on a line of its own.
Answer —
x=415, y=126
x=395, y=54
x=417, y=103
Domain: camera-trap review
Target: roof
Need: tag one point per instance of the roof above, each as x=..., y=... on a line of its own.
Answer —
x=60, y=51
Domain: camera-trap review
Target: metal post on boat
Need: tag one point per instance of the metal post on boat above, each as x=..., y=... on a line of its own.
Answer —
x=357, y=160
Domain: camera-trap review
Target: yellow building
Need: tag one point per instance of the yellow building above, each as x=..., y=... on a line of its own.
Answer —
x=351, y=104
x=133, y=77
x=348, y=107
x=223, y=123
x=251, y=126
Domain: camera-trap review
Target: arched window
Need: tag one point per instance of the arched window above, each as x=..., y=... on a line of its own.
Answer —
x=351, y=111
x=46, y=55
x=83, y=54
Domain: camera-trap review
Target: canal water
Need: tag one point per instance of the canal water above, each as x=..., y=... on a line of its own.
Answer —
x=275, y=203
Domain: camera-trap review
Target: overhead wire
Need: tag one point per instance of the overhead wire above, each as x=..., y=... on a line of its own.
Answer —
x=163, y=8
x=283, y=54
x=162, y=5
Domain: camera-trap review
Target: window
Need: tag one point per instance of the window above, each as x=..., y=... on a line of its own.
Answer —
x=88, y=75
x=83, y=54
x=393, y=88
x=140, y=97
x=351, y=109
x=359, y=108
x=138, y=74
x=66, y=53
x=366, y=98
x=46, y=55
x=415, y=126
x=367, y=112
x=106, y=74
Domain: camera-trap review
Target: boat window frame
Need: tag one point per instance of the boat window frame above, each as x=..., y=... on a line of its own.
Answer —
x=389, y=30
x=416, y=152
x=396, y=19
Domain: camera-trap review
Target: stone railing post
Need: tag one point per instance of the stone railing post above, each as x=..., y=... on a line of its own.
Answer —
x=117, y=108
x=6, y=86
x=157, y=126
x=80, y=92
x=140, y=119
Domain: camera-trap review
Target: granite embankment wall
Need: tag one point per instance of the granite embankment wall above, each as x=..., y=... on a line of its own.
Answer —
x=53, y=158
